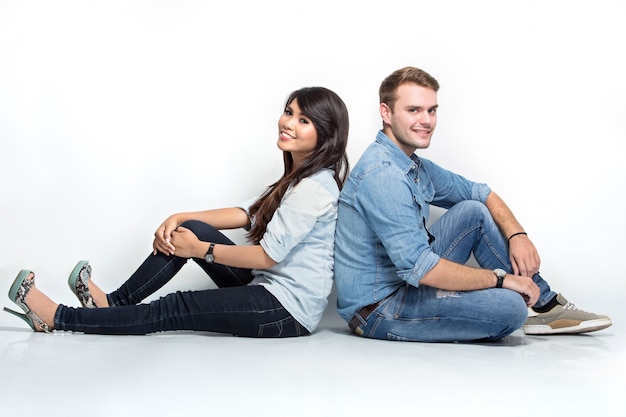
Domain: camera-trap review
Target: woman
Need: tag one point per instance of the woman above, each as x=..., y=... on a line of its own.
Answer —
x=275, y=287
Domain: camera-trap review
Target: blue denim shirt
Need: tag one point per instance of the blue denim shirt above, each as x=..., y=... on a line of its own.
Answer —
x=381, y=240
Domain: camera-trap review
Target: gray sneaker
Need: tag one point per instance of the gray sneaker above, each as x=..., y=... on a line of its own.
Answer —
x=565, y=318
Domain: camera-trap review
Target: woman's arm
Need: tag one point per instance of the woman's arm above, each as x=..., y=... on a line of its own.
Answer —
x=225, y=218
x=180, y=241
x=187, y=245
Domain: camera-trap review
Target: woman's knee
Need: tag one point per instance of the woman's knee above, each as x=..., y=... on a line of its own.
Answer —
x=205, y=232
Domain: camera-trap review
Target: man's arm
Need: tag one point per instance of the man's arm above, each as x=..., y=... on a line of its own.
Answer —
x=522, y=253
x=449, y=275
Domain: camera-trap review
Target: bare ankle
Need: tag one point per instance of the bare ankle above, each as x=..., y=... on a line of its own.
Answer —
x=99, y=296
x=42, y=306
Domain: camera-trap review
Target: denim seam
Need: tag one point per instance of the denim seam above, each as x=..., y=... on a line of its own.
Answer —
x=279, y=323
x=461, y=236
x=505, y=261
x=484, y=236
x=139, y=289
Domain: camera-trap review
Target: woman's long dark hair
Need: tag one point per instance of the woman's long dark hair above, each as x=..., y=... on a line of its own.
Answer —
x=329, y=115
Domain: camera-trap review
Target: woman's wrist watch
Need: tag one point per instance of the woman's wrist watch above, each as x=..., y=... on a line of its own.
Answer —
x=500, y=275
x=209, y=257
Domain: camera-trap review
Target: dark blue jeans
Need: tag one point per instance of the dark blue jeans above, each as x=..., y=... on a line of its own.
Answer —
x=235, y=307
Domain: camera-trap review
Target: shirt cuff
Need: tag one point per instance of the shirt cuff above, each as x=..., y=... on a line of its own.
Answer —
x=426, y=261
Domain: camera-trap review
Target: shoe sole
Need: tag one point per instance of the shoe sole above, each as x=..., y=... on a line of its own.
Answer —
x=17, y=283
x=71, y=282
x=584, y=327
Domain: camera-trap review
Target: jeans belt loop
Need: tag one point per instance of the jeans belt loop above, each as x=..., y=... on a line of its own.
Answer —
x=362, y=314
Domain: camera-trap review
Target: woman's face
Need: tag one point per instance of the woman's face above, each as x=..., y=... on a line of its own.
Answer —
x=296, y=133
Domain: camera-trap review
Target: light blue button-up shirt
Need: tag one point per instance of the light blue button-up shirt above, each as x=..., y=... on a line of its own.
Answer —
x=381, y=240
x=300, y=239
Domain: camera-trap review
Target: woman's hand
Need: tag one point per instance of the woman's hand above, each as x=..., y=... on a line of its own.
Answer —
x=186, y=243
x=163, y=237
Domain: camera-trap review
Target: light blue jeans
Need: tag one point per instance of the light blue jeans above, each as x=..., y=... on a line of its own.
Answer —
x=431, y=315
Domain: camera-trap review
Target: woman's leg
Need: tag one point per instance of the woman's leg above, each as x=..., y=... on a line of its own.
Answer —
x=222, y=275
x=243, y=311
x=157, y=270
x=468, y=228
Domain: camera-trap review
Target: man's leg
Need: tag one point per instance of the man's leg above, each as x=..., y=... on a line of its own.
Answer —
x=469, y=228
x=428, y=314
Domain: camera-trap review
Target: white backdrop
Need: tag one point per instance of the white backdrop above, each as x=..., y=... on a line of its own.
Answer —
x=115, y=114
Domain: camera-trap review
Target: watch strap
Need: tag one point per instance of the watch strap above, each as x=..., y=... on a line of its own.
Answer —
x=500, y=275
x=209, y=257
x=500, y=282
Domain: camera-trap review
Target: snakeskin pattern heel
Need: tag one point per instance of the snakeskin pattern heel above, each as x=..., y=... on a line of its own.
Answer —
x=18, y=292
x=79, y=284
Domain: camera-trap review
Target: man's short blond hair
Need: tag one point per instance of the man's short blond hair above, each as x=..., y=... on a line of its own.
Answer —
x=389, y=86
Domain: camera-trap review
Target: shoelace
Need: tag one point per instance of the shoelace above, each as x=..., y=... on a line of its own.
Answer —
x=570, y=306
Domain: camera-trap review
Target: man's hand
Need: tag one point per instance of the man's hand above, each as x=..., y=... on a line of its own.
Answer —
x=524, y=256
x=523, y=285
x=522, y=253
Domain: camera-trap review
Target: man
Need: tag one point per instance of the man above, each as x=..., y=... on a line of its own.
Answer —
x=398, y=280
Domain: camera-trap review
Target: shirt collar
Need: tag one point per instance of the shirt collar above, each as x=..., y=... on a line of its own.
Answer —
x=405, y=162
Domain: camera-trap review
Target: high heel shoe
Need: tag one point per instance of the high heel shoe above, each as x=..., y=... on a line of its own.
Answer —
x=79, y=284
x=17, y=294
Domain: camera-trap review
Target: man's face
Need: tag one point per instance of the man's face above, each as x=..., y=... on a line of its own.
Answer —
x=412, y=121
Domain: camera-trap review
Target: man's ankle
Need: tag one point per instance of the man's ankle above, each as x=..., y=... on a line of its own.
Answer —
x=547, y=307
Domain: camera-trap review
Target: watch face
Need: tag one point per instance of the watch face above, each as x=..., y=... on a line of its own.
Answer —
x=499, y=272
x=209, y=257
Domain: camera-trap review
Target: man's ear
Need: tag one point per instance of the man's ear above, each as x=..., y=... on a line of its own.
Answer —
x=385, y=113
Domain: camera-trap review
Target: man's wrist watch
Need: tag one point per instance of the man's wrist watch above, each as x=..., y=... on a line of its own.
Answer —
x=209, y=257
x=500, y=275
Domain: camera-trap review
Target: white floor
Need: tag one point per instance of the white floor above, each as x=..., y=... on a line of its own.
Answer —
x=331, y=373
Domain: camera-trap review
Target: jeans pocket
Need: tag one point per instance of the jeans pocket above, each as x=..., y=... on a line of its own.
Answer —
x=277, y=328
x=394, y=305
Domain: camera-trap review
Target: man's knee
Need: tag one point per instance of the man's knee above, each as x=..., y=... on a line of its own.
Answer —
x=512, y=308
x=472, y=207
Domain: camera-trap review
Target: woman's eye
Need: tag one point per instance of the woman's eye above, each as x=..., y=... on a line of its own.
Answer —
x=304, y=121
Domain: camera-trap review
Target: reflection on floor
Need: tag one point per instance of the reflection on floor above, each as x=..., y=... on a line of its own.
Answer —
x=331, y=373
